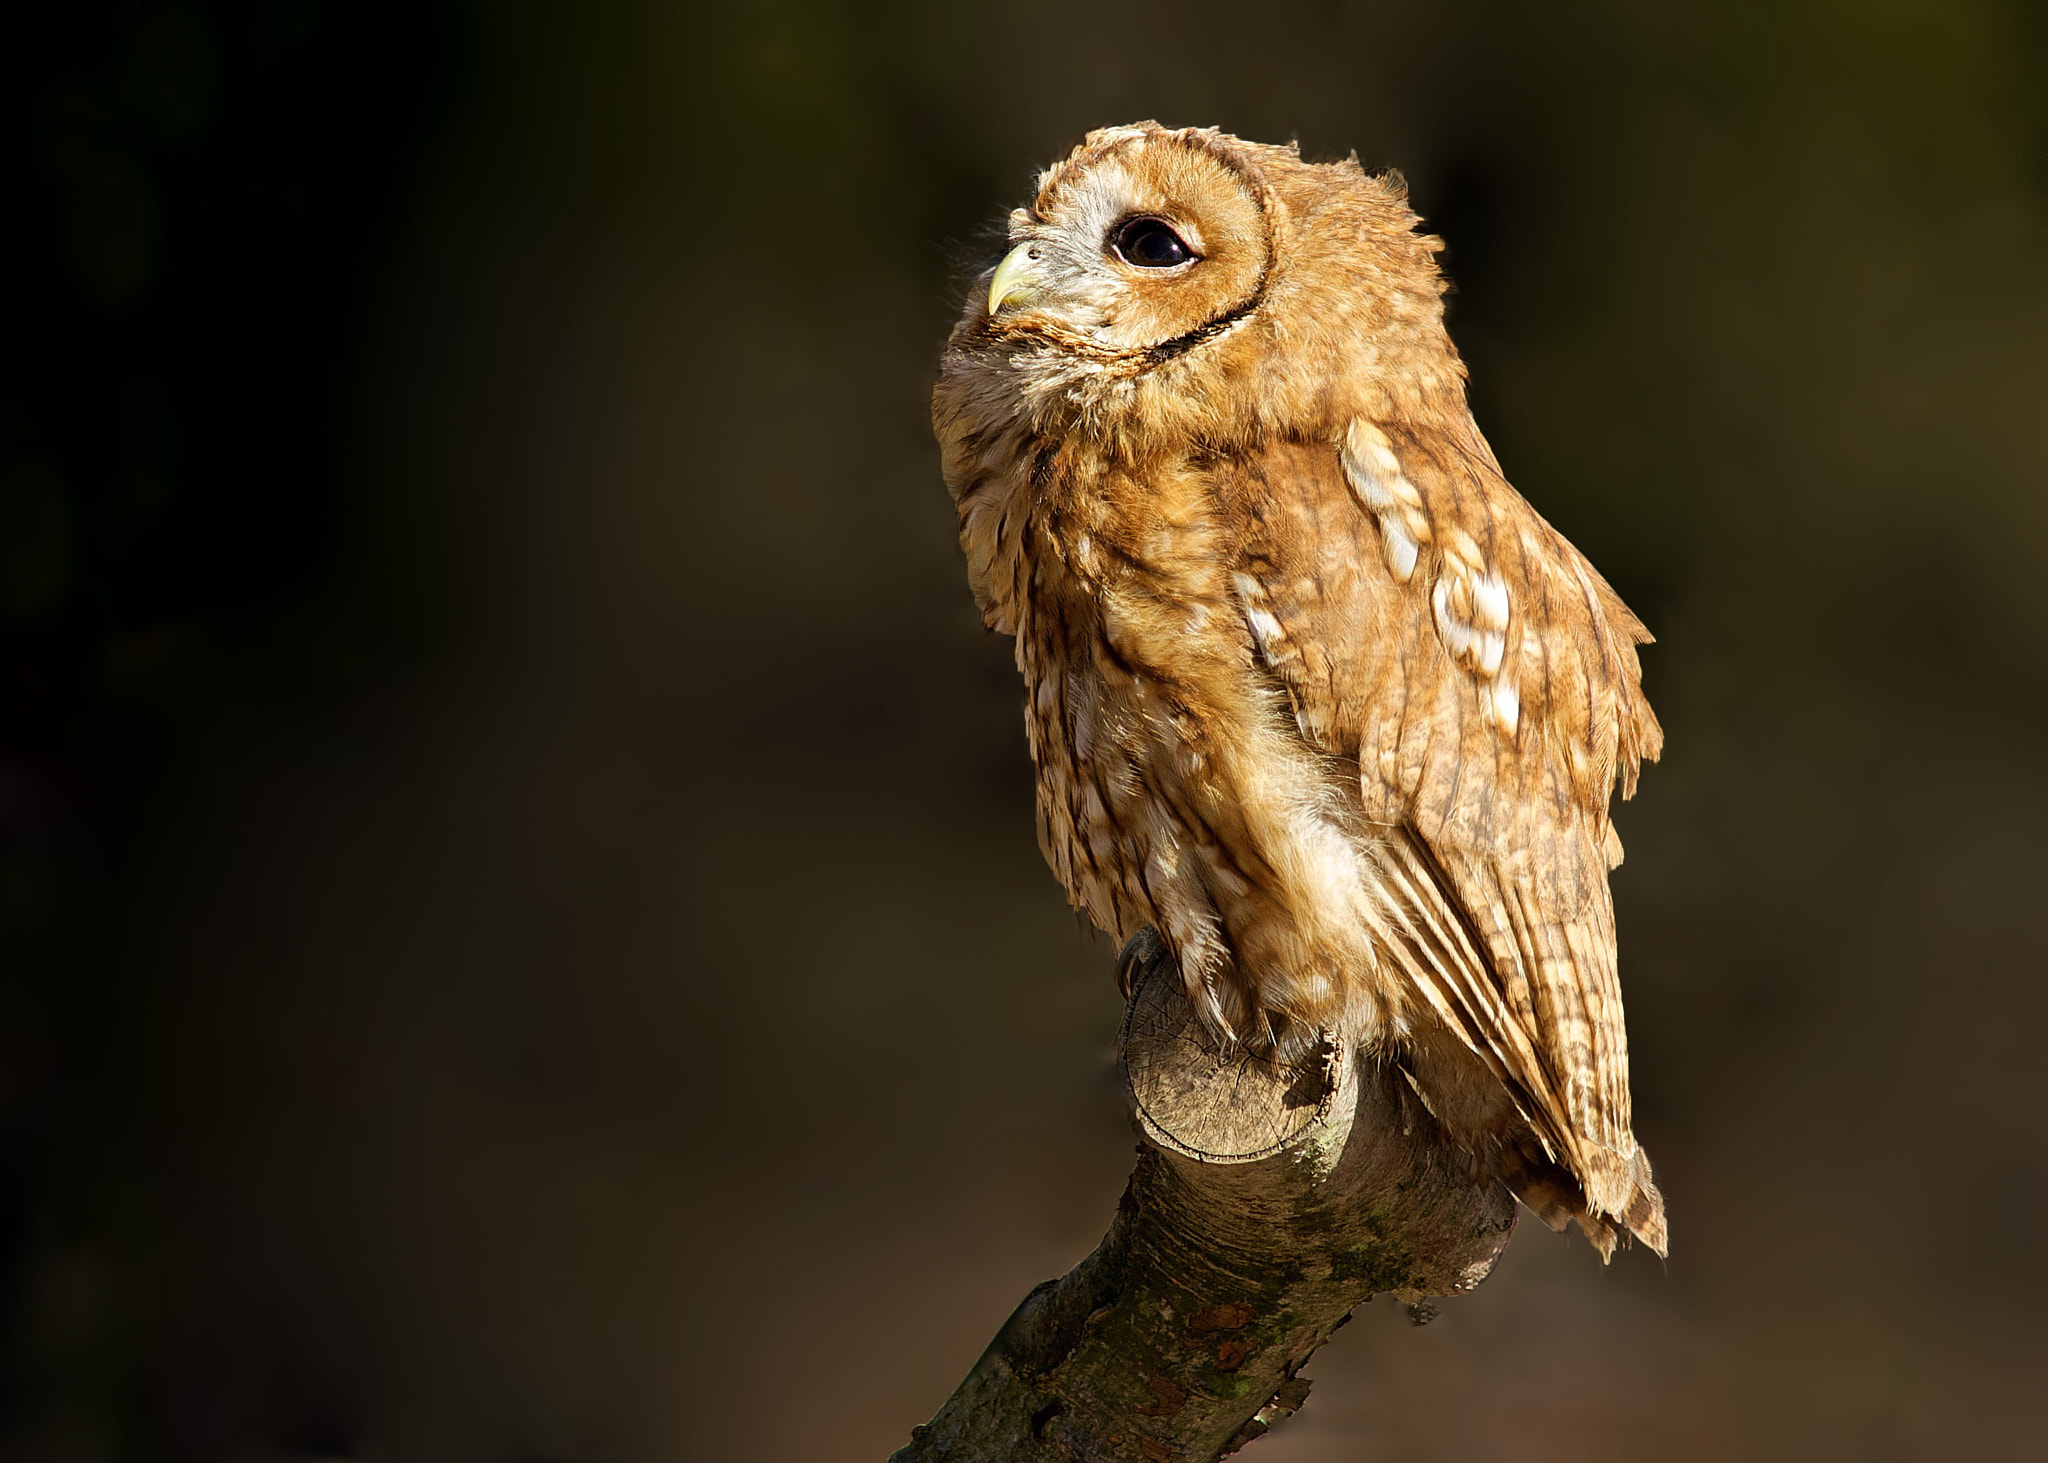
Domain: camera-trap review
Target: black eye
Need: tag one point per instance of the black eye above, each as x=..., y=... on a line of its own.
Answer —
x=1149, y=244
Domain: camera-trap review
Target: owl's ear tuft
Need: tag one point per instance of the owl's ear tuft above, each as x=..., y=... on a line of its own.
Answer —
x=1394, y=180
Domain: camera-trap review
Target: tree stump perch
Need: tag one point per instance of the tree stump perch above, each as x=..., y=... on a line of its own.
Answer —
x=1267, y=1203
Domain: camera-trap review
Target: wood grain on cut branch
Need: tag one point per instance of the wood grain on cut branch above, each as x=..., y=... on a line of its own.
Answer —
x=1268, y=1201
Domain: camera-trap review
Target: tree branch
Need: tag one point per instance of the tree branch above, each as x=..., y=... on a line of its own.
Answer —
x=1268, y=1201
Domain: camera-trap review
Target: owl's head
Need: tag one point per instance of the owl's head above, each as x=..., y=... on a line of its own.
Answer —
x=1196, y=283
x=1142, y=240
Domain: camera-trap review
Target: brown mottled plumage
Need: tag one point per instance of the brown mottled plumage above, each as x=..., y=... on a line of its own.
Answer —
x=1310, y=688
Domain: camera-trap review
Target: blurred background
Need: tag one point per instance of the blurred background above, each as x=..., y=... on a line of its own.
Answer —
x=523, y=934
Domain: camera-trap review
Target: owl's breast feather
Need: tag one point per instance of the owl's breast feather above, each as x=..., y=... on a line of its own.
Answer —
x=1175, y=787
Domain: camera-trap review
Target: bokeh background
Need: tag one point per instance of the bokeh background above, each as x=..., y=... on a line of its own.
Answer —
x=523, y=935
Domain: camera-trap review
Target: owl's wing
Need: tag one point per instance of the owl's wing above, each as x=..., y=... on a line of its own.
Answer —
x=1425, y=618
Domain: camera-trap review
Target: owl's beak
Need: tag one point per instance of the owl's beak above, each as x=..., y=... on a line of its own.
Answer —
x=1012, y=283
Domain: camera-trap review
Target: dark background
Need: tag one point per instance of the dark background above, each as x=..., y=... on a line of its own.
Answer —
x=523, y=935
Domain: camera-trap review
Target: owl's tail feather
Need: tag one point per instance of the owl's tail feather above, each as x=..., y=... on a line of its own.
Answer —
x=1556, y=1198
x=1644, y=1213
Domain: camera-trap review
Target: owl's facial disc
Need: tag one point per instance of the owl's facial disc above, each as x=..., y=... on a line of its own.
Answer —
x=1146, y=243
x=1143, y=246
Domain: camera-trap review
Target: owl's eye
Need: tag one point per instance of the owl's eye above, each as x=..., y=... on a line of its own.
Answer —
x=1148, y=243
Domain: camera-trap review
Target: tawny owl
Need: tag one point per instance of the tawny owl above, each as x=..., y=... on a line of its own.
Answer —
x=1310, y=688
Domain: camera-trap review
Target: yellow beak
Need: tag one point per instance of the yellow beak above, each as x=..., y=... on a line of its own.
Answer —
x=1012, y=284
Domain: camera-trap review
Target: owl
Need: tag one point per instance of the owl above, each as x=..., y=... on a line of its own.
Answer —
x=1310, y=689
